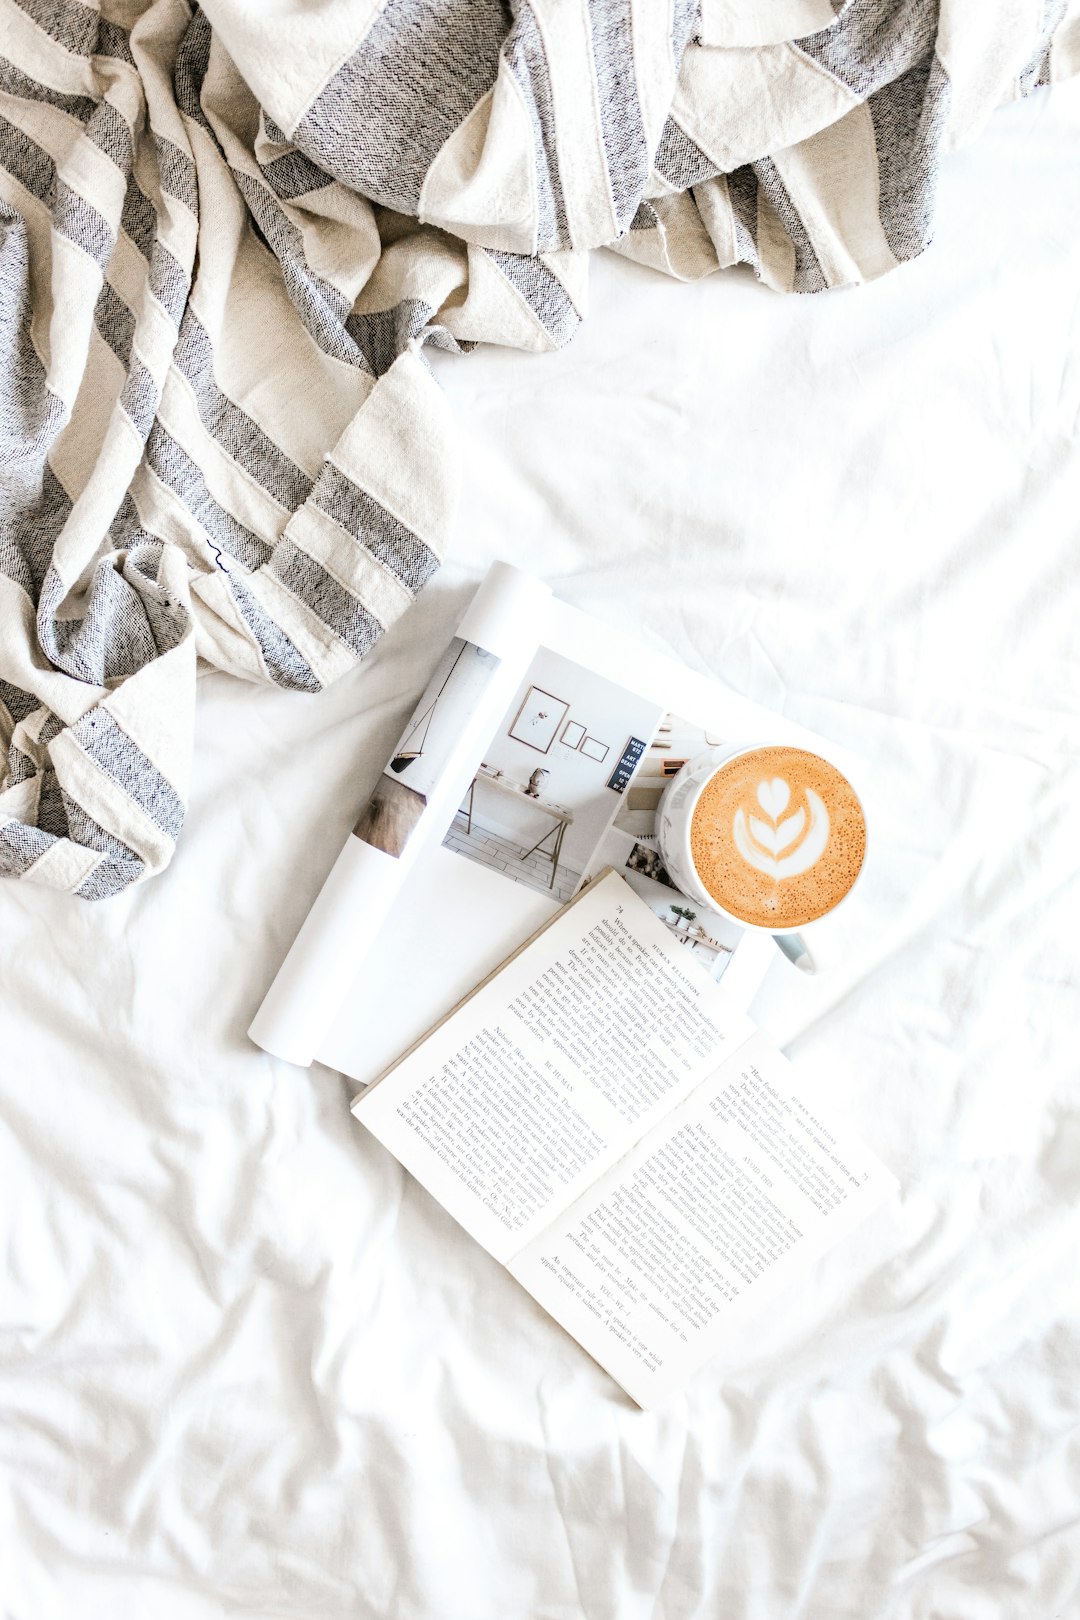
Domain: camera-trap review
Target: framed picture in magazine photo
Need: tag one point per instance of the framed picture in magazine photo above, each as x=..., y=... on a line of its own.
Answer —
x=537, y=722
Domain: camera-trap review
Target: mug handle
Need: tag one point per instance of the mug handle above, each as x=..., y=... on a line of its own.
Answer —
x=795, y=948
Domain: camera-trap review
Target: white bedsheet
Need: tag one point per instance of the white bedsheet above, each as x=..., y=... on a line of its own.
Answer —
x=247, y=1368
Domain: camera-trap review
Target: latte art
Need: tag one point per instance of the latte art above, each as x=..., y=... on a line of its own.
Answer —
x=777, y=837
x=782, y=849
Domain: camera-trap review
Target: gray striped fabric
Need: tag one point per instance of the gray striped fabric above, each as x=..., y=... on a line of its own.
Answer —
x=226, y=236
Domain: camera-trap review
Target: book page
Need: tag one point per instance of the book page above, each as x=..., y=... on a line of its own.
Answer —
x=733, y=1193
x=551, y=1070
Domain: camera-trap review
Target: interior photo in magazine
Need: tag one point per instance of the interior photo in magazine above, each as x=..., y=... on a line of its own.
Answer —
x=571, y=781
x=400, y=797
x=553, y=774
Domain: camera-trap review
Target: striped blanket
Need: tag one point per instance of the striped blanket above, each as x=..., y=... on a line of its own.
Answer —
x=226, y=235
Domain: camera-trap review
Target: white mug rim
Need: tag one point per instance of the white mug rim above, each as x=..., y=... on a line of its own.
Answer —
x=704, y=897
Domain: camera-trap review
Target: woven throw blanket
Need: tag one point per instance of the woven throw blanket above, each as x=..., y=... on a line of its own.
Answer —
x=226, y=235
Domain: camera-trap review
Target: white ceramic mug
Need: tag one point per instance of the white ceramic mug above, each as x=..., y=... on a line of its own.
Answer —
x=673, y=824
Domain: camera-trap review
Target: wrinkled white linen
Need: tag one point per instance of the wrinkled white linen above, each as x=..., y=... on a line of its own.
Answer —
x=248, y=1368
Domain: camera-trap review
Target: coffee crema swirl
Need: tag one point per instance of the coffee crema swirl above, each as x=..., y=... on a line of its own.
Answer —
x=778, y=837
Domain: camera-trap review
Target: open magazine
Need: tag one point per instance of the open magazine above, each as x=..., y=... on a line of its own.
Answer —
x=535, y=758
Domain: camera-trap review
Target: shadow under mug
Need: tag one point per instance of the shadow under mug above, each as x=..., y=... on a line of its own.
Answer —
x=673, y=824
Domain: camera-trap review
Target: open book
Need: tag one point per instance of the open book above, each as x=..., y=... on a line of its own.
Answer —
x=606, y=1121
x=535, y=757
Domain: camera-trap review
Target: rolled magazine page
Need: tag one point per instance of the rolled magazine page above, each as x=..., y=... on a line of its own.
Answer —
x=425, y=779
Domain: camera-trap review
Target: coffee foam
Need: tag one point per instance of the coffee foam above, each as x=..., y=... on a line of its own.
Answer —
x=778, y=837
